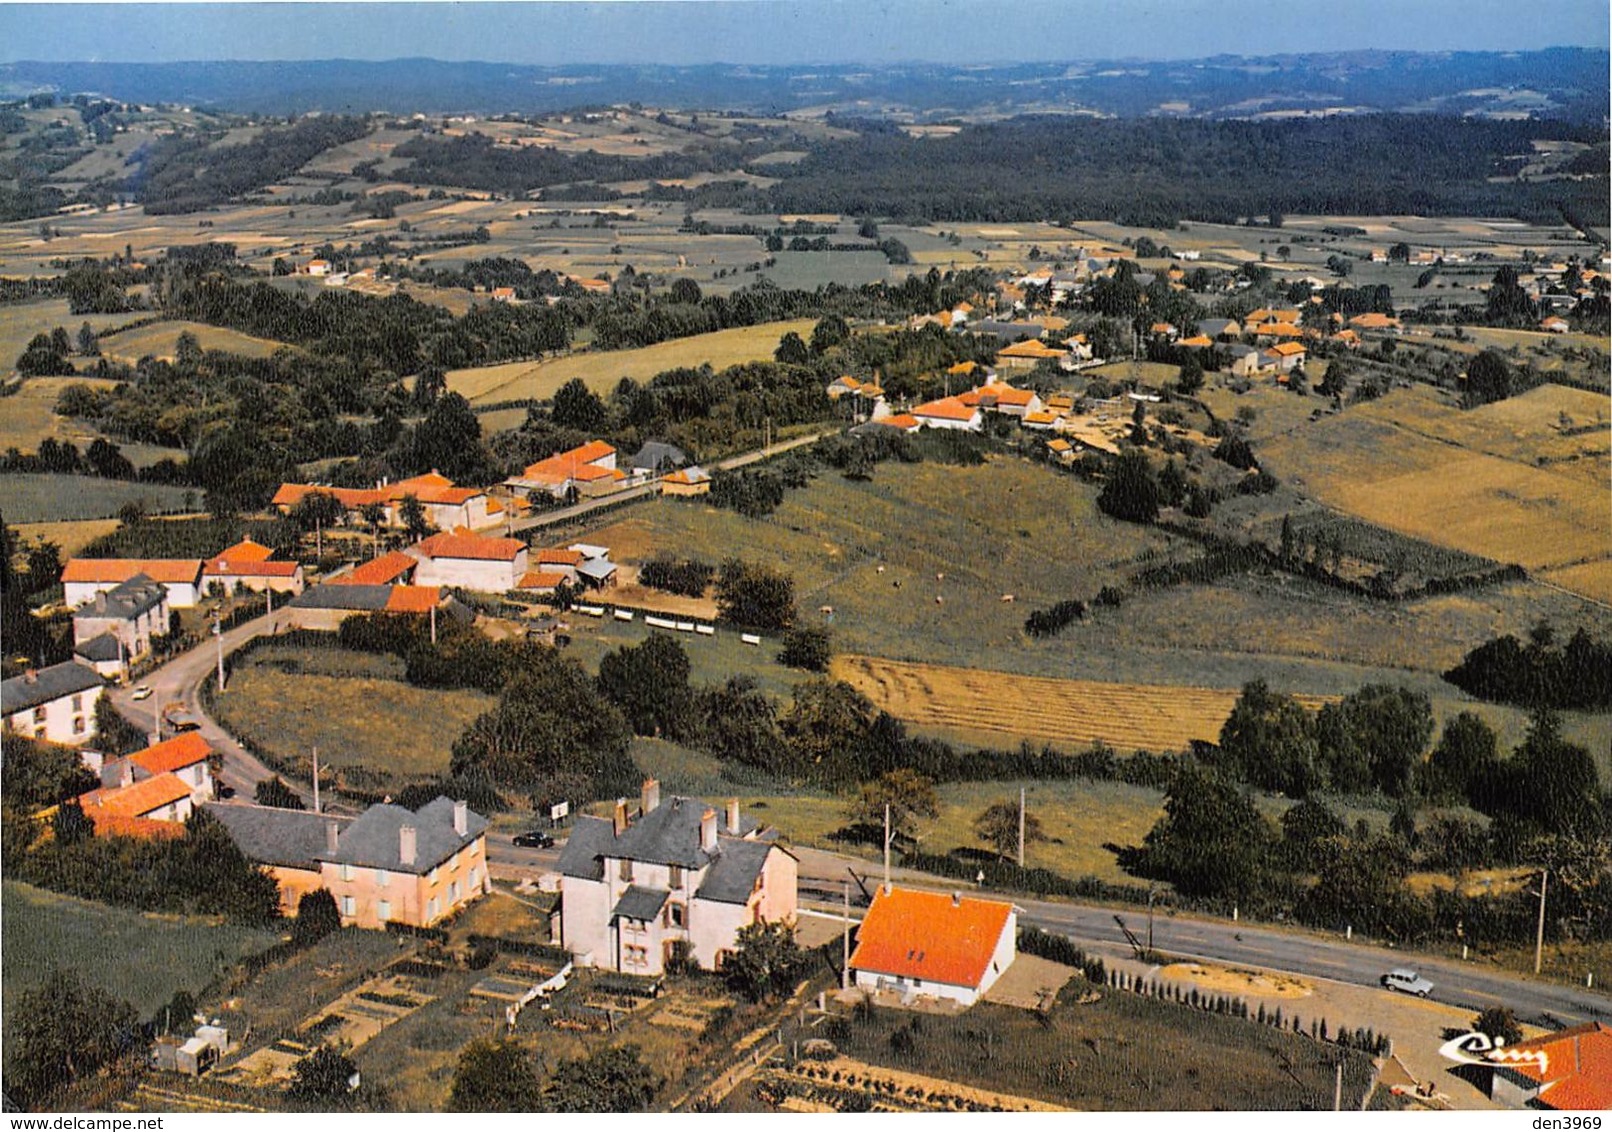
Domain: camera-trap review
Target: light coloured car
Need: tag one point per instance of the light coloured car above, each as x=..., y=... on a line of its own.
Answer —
x=1407, y=982
x=143, y=692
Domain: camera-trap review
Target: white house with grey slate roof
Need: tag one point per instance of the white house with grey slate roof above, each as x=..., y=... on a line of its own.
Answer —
x=636, y=889
x=56, y=704
x=388, y=865
x=114, y=628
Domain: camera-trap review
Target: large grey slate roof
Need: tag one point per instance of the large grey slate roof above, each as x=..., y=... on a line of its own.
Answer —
x=1007, y=331
x=732, y=878
x=373, y=841
x=103, y=647
x=639, y=903
x=584, y=852
x=272, y=836
x=370, y=598
x=126, y=600
x=656, y=456
x=19, y=693
x=596, y=568
x=1214, y=327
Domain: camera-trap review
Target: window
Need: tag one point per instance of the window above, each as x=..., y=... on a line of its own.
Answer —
x=78, y=703
x=349, y=906
x=475, y=879
x=634, y=956
x=676, y=876
x=431, y=877
x=78, y=725
x=39, y=714
x=625, y=872
x=433, y=908
x=383, y=909
x=382, y=878
x=453, y=892
x=676, y=915
x=346, y=871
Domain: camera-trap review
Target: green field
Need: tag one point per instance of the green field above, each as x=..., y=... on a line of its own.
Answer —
x=161, y=339
x=603, y=369
x=50, y=498
x=134, y=956
x=377, y=730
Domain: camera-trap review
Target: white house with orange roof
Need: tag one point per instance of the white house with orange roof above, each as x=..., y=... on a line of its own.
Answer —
x=589, y=470
x=475, y=562
x=948, y=412
x=249, y=565
x=934, y=944
x=999, y=397
x=83, y=578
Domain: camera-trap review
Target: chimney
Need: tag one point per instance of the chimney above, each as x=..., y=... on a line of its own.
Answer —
x=649, y=797
x=957, y=900
x=30, y=677
x=331, y=832
x=461, y=818
x=619, y=820
x=733, y=817
x=406, y=844
x=708, y=831
x=126, y=773
x=100, y=602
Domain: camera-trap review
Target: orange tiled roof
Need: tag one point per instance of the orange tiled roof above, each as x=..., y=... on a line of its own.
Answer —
x=137, y=800
x=930, y=936
x=1277, y=330
x=1162, y=328
x=352, y=498
x=1577, y=1069
x=382, y=571
x=970, y=397
x=477, y=547
x=1029, y=348
x=565, y=465
x=963, y=369
x=1040, y=418
x=247, y=551
x=1059, y=445
x=1010, y=395
x=173, y=754
x=1373, y=320
x=904, y=421
x=1197, y=341
x=117, y=825
x=541, y=580
x=413, y=599
x=1287, y=349
x=250, y=568
x=947, y=408
x=552, y=556
x=168, y=570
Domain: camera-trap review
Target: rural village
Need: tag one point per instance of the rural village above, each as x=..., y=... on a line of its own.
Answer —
x=607, y=608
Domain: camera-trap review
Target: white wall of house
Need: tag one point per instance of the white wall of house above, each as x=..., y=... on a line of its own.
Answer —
x=483, y=576
x=67, y=719
x=972, y=424
x=873, y=981
x=585, y=920
x=713, y=927
x=256, y=583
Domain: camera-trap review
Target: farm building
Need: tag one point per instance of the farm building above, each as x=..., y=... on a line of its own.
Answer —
x=486, y=565
x=325, y=607
x=1569, y=1070
x=589, y=471
x=154, y=806
x=247, y=566
x=56, y=704
x=113, y=629
x=948, y=412
x=444, y=504
x=388, y=865
x=392, y=568
x=83, y=578
x=657, y=458
x=933, y=944
x=692, y=480
x=637, y=890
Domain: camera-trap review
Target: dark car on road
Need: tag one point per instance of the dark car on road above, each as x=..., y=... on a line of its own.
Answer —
x=534, y=839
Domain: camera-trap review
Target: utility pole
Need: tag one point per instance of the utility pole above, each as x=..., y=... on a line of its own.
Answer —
x=887, y=849
x=316, y=780
x=1539, y=938
x=1021, y=827
x=433, y=624
x=218, y=634
x=845, y=943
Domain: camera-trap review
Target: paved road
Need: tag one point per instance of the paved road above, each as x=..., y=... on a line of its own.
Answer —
x=177, y=682
x=578, y=510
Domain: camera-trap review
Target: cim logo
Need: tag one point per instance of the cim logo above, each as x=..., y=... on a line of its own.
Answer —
x=1480, y=1049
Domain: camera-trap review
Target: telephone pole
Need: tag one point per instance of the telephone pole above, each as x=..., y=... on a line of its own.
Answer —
x=887, y=848
x=845, y=944
x=316, y=780
x=218, y=634
x=1021, y=827
x=1539, y=938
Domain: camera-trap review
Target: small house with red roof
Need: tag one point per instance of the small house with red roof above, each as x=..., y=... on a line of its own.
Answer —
x=475, y=562
x=589, y=470
x=392, y=568
x=948, y=412
x=934, y=944
x=249, y=566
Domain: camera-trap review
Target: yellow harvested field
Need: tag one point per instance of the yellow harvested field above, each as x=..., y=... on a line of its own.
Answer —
x=602, y=370
x=161, y=340
x=72, y=537
x=29, y=415
x=1471, y=480
x=1591, y=579
x=1131, y=717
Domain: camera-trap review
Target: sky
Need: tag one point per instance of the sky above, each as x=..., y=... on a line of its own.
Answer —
x=785, y=31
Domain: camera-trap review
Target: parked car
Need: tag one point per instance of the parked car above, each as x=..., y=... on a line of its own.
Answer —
x=143, y=692
x=534, y=839
x=1407, y=982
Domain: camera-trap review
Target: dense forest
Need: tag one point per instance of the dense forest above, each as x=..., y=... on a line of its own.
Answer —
x=187, y=173
x=1156, y=172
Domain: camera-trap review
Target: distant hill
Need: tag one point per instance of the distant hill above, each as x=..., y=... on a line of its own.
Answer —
x=1559, y=83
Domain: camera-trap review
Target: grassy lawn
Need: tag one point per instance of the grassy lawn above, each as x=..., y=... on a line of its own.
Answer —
x=377, y=729
x=134, y=956
x=603, y=369
x=52, y=498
